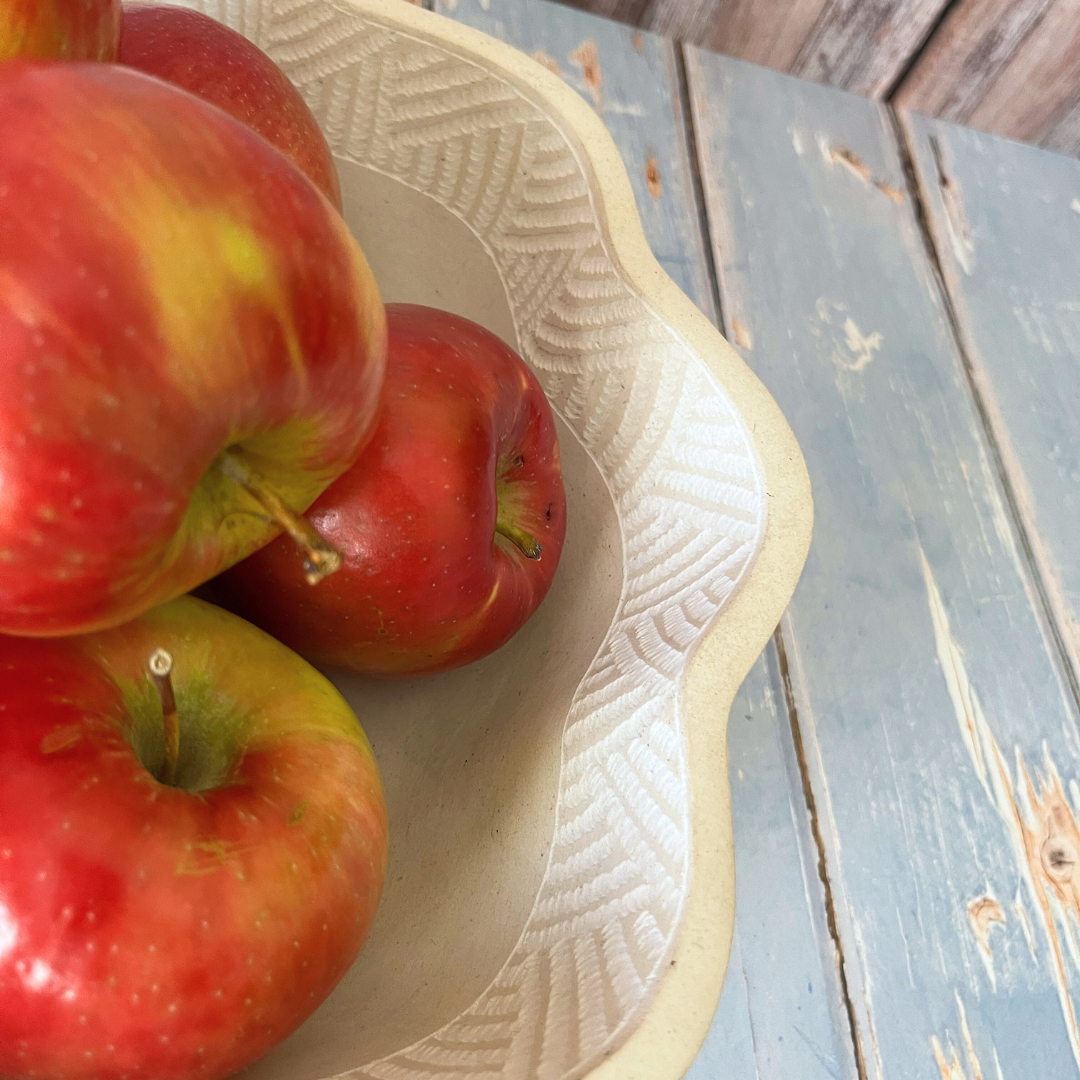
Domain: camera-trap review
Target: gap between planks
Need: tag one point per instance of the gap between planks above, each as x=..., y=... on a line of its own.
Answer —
x=777, y=639
x=690, y=133
x=819, y=843
x=1045, y=611
x=917, y=53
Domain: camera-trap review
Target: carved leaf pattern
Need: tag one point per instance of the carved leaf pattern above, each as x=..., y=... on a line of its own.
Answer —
x=680, y=466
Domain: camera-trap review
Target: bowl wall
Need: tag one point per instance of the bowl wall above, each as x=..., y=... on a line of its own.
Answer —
x=560, y=831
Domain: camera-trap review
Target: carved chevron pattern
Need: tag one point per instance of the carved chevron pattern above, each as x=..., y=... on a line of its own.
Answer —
x=687, y=487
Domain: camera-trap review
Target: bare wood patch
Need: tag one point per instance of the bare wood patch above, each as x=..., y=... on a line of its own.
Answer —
x=1040, y=824
x=549, y=62
x=652, y=176
x=983, y=913
x=586, y=58
x=639, y=42
x=741, y=334
x=949, y=1062
x=841, y=155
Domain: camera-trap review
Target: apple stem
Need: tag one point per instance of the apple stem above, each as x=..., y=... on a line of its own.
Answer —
x=160, y=665
x=320, y=558
x=525, y=542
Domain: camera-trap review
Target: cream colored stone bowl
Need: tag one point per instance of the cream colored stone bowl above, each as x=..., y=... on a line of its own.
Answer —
x=561, y=890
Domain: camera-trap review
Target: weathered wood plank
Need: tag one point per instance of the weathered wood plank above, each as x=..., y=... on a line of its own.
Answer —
x=864, y=45
x=860, y=45
x=1006, y=223
x=764, y=33
x=973, y=46
x=939, y=729
x=783, y=961
x=780, y=1015
x=1011, y=67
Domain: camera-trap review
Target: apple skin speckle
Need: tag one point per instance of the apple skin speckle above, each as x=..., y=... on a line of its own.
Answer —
x=96, y=923
x=450, y=458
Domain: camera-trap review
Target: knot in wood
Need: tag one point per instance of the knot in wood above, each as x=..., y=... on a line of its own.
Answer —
x=1058, y=859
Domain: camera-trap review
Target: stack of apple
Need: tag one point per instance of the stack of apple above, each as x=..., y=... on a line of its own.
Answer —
x=194, y=360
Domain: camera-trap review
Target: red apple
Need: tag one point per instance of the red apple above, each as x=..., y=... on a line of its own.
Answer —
x=60, y=29
x=184, y=320
x=451, y=524
x=205, y=57
x=175, y=930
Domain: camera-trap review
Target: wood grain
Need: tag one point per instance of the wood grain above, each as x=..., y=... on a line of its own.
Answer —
x=970, y=51
x=859, y=45
x=780, y=1015
x=864, y=45
x=938, y=724
x=1011, y=67
x=1016, y=286
x=771, y=34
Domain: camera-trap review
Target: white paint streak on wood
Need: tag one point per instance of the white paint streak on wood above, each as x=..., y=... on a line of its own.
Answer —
x=867, y=992
x=983, y=913
x=1022, y=917
x=907, y=951
x=1003, y=525
x=956, y=223
x=1042, y=829
x=965, y=703
x=861, y=346
x=852, y=349
x=621, y=109
x=931, y=154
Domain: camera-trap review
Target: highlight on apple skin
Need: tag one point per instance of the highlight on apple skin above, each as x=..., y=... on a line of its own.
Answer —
x=175, y=931
x=214, y=62
x=451, y=524
x=60, y=29
x=184, y=319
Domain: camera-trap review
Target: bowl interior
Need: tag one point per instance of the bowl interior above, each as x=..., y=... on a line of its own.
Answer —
x=470, y=759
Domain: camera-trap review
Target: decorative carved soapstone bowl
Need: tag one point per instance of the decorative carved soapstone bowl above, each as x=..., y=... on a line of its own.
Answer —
x=561, y=891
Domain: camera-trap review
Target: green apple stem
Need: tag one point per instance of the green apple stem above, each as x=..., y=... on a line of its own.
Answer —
x=526, y=542
x=160, y=664
x=320, y=558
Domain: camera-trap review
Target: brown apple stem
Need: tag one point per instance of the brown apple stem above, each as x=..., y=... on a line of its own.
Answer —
x=527, y=543
x=320, y=558
x=160, y=664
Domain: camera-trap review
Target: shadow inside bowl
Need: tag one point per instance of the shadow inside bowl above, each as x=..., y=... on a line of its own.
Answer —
x=470, y=759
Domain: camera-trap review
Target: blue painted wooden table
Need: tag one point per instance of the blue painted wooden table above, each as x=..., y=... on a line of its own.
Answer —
x=905, y=756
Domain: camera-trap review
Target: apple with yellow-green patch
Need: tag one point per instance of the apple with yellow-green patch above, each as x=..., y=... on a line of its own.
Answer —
x=173, y=914
x=60, y=29
x=192, y=346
